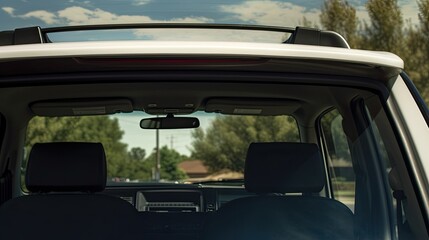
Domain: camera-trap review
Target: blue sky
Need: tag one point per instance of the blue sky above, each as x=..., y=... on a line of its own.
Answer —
x=21, y=13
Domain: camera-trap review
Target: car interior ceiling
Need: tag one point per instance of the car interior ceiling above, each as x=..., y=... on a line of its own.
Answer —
x=306, y=103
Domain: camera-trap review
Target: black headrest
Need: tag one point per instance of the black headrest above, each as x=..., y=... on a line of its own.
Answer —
x=284, y=168
x=66, y=166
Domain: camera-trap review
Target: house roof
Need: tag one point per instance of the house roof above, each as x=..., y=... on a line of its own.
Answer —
x=193, y=166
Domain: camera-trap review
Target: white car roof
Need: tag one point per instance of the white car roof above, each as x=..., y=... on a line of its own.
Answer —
x=201, y=49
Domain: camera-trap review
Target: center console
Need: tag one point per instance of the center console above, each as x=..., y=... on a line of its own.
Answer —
x=169, y=201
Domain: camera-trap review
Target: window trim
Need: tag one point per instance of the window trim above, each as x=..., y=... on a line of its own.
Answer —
x=323, y=143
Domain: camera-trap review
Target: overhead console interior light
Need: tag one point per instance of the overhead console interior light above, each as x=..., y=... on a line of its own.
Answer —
x=163, y=108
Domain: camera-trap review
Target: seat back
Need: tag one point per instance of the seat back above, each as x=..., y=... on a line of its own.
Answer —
x=63, y=179
x=271, y=170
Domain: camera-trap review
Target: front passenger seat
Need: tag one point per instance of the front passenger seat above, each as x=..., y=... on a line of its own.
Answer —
x=272, y=169
x=63, y=179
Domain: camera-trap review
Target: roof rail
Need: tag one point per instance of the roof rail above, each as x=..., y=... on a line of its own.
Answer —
x=299, y=35
x=22, y=36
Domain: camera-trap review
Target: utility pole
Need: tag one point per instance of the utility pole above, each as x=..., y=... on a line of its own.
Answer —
x=158, y=158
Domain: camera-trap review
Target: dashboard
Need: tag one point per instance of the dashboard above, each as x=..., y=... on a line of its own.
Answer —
x=177, y=198
x=175, y=211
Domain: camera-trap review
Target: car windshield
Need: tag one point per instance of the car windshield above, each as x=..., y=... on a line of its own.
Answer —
x=213, y=152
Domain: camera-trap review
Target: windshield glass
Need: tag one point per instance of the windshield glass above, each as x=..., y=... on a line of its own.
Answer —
x=213, y=152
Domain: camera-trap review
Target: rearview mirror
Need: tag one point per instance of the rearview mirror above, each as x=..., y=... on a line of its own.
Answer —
x=169, y=123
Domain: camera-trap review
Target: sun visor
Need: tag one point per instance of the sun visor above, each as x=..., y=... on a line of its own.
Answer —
x=81, y=107
x=264, y=107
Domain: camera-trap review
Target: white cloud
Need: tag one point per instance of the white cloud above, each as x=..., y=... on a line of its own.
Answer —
x=141, y=2
x=79, y=15
x=8, y=10
x=270, y=12
x=45, y=16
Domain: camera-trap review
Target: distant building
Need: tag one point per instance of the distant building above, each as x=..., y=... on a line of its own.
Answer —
x=194, y=168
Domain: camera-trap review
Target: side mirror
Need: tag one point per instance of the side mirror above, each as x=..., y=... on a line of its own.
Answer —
x=169, y=122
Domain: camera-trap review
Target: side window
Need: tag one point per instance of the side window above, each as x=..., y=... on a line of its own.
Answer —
x=340, y=165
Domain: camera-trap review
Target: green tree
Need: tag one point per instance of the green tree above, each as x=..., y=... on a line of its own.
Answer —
x=224, y=144
x=169, y=159
x=424, y=19
x=137, y=154
x=424, y=29
x=385, y=32
x=416, y=60
x=339, y=16
x=89, y=129
x=420, y=41
x=415, y=51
